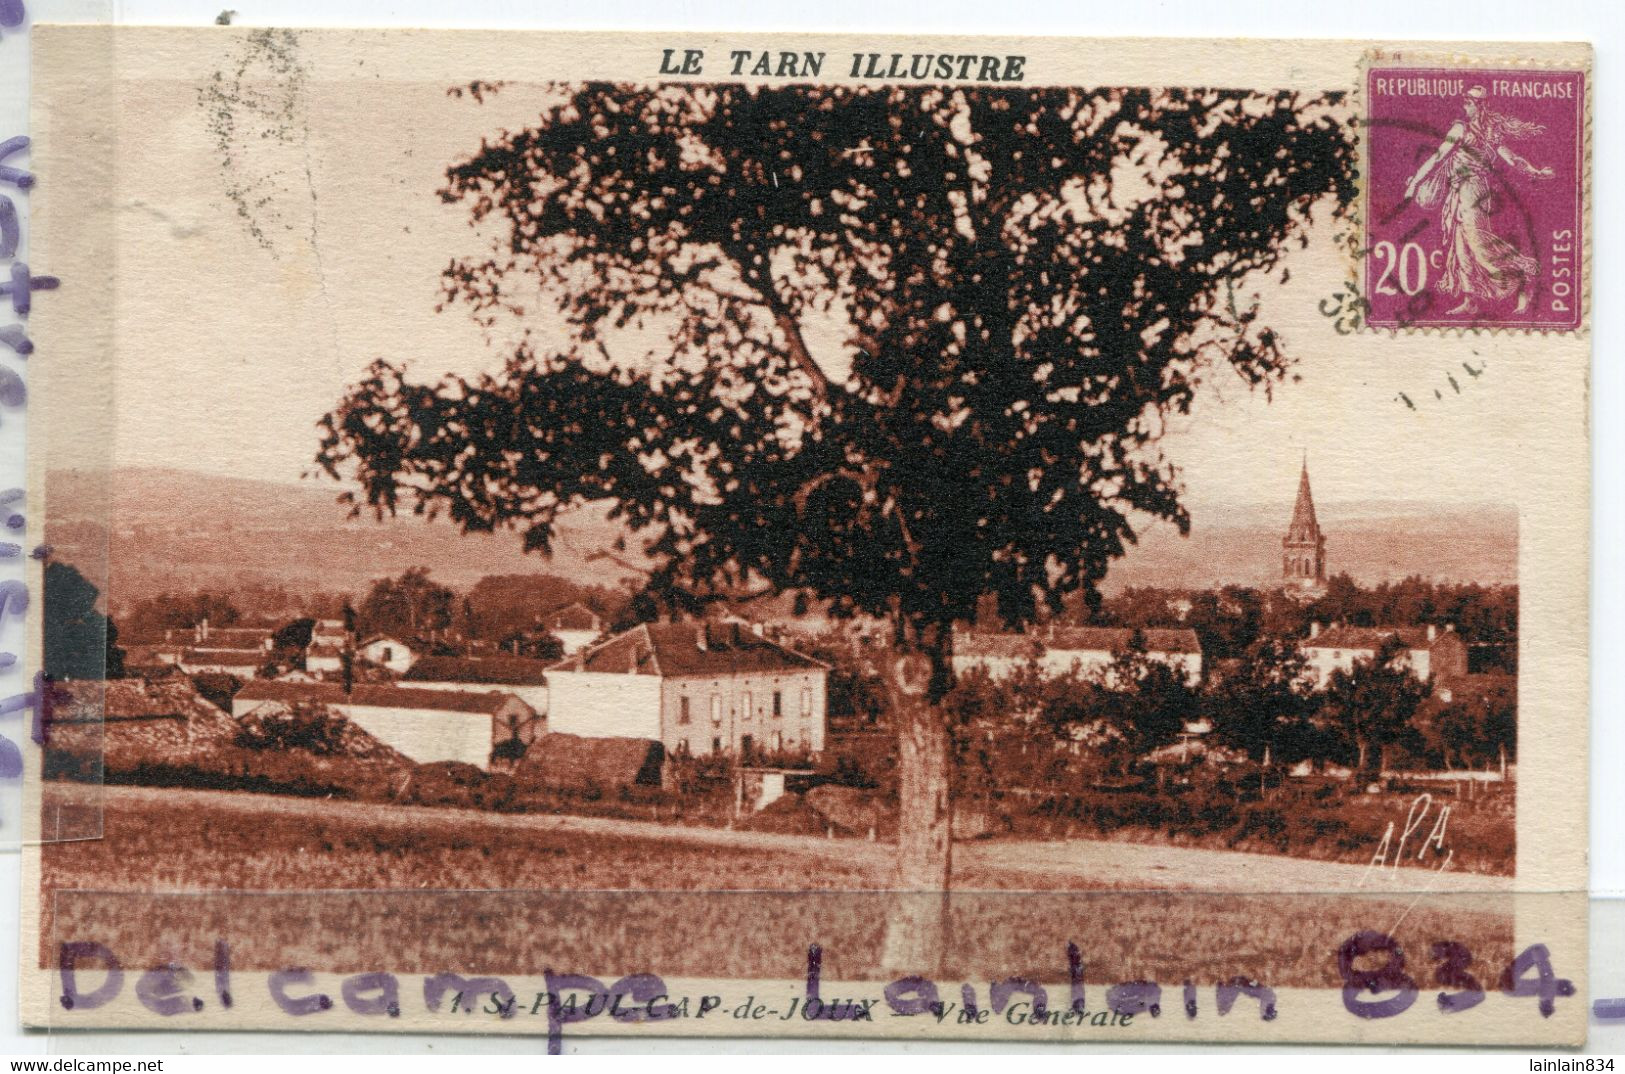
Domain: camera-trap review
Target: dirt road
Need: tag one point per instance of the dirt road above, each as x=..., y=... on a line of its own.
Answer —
x=1033, y=865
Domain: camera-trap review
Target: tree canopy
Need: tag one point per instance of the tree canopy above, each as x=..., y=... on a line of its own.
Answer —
x=910, y=344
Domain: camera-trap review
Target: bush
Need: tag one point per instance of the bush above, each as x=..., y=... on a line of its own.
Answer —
x=452, y=783
x=311, y=728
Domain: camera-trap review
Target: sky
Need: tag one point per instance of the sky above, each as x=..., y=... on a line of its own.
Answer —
x=231, y=347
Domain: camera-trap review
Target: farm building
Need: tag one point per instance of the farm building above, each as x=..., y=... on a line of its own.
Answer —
x=1084, y=650
x=323, y=659
x=575, y=625
x=997, y=654
x=696, y=688
x=325, y=653
x=526, y=679
x=385, y=651
x=424, y=725
x=239, y=651
x=244, y=663
x=1429, y=652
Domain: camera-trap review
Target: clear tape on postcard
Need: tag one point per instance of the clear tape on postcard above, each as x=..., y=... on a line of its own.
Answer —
x=52, y=664
x=1104, y=966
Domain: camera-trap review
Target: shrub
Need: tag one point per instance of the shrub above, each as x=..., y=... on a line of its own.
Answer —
x=311, y=728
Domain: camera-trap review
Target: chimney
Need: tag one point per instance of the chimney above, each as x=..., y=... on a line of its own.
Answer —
x=1433, y=631
x=203, y=629
x=1314, y=629
x=1450, y=627
x=759, y=629
x=702, y=637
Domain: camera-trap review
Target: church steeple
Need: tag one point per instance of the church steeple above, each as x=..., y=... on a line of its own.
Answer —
x=1303, y=549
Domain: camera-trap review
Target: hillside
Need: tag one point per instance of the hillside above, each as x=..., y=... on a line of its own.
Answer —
x=1373, y=542
x=174, y=529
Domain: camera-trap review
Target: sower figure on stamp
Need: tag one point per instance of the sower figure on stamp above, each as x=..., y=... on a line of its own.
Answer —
x=1480, y=264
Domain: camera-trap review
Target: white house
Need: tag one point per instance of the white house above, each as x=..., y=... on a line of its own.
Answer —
x=1088, y=651
x=696, y=688
x=425, y=725
x=392, y=653
x=524, y=678
x=1428, y=652
x=575, y=625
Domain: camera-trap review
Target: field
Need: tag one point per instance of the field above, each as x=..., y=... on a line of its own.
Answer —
x=353, y=886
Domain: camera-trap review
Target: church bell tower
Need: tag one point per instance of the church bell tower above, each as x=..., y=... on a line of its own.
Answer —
x=1303, y=549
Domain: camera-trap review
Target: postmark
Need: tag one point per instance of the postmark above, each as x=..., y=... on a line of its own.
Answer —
x=1474, y=196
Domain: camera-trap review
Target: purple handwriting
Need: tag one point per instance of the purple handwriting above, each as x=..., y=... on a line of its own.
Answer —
x=574, y=998
x=18, y=283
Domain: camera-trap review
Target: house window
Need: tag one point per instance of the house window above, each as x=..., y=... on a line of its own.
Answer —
x=778, y=740
x=806, y=702
x=778, y=703
x=388, y=655
x=750, y=705
x=682, y=709
x=716, y=709
x=716, y=743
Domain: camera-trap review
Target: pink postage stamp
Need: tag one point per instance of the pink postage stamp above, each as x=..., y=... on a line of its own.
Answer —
x=1475, y=197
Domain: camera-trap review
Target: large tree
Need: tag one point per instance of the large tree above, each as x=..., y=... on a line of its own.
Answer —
x=897, y=347
x=1375, y=703
x=1263, y=703
x=411, y=605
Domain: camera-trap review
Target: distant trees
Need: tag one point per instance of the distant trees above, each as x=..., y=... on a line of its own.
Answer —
x=1477, y=729
x=1231, y=618
x=1148, y=700
x=150, y=617
x=1375, y=702
x=1262, y=703
x=501, y=605
x=79, y=641
x=410, y=605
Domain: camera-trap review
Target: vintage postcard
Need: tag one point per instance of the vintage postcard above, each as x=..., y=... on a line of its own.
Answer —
x=816, y=536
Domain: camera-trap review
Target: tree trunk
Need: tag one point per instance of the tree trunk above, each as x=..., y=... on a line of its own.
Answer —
x=917, y=675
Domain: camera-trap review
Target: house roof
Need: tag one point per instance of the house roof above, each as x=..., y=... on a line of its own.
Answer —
x=372, y=696
x=497, y=670
x=234, y=658
x=127, y=699
x=1372, y=638
x=688, y=649
x=573, y=616
x=998, y=646
x=239, y=634
x=392, y=639
x=1118, y=639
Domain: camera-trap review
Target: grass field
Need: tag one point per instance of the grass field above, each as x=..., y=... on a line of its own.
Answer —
x=366, y=890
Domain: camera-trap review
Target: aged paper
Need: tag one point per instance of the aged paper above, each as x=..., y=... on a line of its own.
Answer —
x=969, y=538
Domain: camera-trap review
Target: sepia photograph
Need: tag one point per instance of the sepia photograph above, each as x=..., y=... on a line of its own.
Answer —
x=735, y=514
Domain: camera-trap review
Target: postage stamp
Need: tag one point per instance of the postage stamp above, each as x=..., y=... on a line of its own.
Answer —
x=806, y=535
x=1475, y=196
